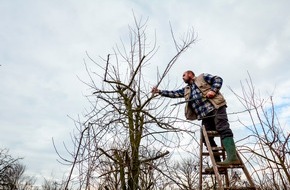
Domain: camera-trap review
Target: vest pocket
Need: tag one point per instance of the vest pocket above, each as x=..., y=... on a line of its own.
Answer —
x=189, y=112
x=218, y=100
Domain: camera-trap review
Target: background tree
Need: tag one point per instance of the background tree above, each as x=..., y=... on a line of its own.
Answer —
x=127, y=130
x=12, y=173
x=267, y=148
x=184, y=173
x=52, y=185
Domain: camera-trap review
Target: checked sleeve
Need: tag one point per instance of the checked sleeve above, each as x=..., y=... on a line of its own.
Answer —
x=216, y=82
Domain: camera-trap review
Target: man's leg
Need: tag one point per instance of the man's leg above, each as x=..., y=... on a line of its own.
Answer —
x=223, y=128
x=209, y=123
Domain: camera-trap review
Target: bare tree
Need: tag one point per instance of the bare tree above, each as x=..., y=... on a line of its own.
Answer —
x=185, y=173
x=7, y=170
x=267, y=148
x=12, y=173
x=52, y=185
x=127, y=130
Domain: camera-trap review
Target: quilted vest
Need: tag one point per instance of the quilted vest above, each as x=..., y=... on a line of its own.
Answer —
x=204, y=87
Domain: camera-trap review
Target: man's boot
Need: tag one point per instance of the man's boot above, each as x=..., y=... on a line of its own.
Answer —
x=230, y=148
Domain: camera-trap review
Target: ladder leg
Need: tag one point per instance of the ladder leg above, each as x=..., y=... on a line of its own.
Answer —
x=200, y=160
x=246, y=172
x=217, y=175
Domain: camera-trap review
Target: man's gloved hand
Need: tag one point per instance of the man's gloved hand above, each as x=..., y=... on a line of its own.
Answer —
x=210, y=94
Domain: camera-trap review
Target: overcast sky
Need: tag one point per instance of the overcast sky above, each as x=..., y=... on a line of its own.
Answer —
x=43, y=45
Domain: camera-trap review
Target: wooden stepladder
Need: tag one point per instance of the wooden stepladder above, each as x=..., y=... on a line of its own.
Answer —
x=220, y=173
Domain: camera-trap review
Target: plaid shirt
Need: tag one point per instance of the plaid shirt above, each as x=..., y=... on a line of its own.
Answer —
x=200, y=104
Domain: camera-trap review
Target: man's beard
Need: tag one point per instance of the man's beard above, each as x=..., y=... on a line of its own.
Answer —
x=187, y=81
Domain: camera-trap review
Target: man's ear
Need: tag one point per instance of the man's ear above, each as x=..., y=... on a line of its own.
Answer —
x=191, y=75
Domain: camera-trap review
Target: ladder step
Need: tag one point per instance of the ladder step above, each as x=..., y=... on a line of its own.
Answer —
x=217, y=148
x=215, y=153
x=211, y=172
x=222, y=169
x=240, y=188
x=213, y=133
x=231, y=166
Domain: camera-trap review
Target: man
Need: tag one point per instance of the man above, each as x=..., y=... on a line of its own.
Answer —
x=205, y=102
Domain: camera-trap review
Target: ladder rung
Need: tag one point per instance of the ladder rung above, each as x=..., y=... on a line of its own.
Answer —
x=213, y=133
x=231, y=166
x=221, y=172
x=240, y=188
x=217, y=148
x=215, y=153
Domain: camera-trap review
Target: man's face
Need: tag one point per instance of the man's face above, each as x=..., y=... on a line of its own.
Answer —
x=186, y=77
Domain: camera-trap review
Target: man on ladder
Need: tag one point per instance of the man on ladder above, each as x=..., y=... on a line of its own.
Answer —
x=205, y=102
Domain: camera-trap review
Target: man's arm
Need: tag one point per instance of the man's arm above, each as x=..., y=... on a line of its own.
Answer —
x=216, y=82
x=167, y=93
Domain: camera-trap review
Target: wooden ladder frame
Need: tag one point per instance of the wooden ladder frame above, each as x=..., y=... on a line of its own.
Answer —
x=216, y=168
